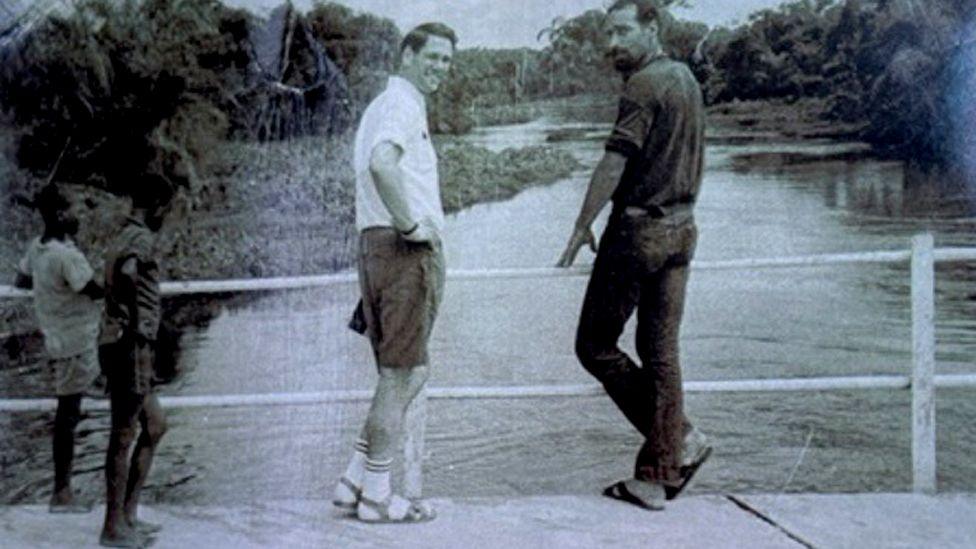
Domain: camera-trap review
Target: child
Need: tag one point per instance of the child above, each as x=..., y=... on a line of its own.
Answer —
x=128, y=339
x=65, y=302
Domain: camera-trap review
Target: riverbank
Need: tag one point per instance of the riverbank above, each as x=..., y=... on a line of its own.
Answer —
x=738, y=121
x=752, y=121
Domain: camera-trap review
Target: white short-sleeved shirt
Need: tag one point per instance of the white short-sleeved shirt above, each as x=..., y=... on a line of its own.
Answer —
x=68, y=319
x=398, y=115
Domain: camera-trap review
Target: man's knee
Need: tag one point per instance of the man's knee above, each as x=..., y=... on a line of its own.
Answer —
x=68, y=413
x=589, y=356
x=406, y=377
x=419, y=375
x=123, y=436
x=156, y=427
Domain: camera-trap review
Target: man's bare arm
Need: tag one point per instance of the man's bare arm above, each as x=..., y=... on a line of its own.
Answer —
x=384, y=165
x=604, y=182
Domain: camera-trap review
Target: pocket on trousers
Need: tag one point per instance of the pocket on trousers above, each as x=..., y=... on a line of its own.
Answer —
x=687, y=242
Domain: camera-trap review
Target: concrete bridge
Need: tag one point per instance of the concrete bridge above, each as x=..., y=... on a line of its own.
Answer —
x=714, y=521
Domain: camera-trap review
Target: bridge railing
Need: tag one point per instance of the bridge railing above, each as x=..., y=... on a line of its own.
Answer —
x=921, y=380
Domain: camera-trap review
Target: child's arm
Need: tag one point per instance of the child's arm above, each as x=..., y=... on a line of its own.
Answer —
x=93, y=290
x=129, y=272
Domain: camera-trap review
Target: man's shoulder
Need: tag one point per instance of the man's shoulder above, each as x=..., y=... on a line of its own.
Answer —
x=660, y=73
x=661, y=80
x=57, y=248
x=394, y=99
x=133, y=238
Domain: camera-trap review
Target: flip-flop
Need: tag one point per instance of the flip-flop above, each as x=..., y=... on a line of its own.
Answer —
x=620, y=492
x=395, y=510
x=348, y=505
x=687, y=473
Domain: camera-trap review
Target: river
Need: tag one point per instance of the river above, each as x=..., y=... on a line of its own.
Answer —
x=759, y=199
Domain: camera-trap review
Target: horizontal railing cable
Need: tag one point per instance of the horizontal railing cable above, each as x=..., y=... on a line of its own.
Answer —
x=511, y=392
x=314, y=281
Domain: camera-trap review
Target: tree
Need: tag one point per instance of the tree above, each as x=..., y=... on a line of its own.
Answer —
x=364, y=46
x=115, y=91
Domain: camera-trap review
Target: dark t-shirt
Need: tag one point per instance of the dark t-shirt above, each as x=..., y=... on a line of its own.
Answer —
x=660, y=129
x=131, y=307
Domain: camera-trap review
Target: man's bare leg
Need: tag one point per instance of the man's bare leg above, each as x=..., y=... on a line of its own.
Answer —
x=395, y=390
x=153, y=422
x=65, y=421
x=116, y=532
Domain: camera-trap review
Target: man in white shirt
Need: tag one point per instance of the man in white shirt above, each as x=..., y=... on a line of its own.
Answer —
x=401, y=265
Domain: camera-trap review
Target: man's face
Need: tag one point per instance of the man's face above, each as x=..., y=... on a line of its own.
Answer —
x=428, y=67
x=628, y=41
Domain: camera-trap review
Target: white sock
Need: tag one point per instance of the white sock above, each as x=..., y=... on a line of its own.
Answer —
x=376, y=480
x=357, y=465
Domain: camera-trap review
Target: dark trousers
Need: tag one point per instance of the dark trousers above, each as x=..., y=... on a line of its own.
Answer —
x=642, y=264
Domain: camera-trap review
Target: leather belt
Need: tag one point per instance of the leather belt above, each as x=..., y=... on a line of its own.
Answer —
x=659, y=212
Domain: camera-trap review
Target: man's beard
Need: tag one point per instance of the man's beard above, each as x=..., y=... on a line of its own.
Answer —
x=623, y=61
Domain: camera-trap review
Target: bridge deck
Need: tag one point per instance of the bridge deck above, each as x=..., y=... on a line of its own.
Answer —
x=788, y=520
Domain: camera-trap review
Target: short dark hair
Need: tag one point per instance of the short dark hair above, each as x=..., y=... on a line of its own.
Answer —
x=50, y=203
x=416, y=39
x=647, y=10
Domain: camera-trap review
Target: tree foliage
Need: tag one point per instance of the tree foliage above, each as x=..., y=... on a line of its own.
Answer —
x=364, y=46
x=893, y=65
x=116, y=90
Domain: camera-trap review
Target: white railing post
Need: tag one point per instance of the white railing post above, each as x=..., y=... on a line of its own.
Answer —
x=923, y=364
x=413, y=446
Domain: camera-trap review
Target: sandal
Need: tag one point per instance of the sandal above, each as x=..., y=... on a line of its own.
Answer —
x=620, y=492
x=394, y=510
x=345, y=503
x=687, y=472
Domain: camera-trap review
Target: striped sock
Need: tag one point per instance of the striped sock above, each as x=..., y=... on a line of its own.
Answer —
x=376, y=480
x=357, y=465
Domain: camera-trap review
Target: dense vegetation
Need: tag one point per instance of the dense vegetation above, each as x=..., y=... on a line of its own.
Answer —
x=894, y=65
x=117, y=90
x=120, y=87
x=904, y=69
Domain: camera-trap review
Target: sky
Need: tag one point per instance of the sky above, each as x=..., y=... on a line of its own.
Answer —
x=510, y=23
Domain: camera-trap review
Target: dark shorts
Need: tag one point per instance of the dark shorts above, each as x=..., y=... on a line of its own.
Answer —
x=402, y=284
x=128, y=366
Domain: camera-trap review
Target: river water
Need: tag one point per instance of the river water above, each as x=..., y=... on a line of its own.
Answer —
x=759, y=199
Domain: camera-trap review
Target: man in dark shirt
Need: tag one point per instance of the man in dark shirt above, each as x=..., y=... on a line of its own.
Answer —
x=652, y=171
